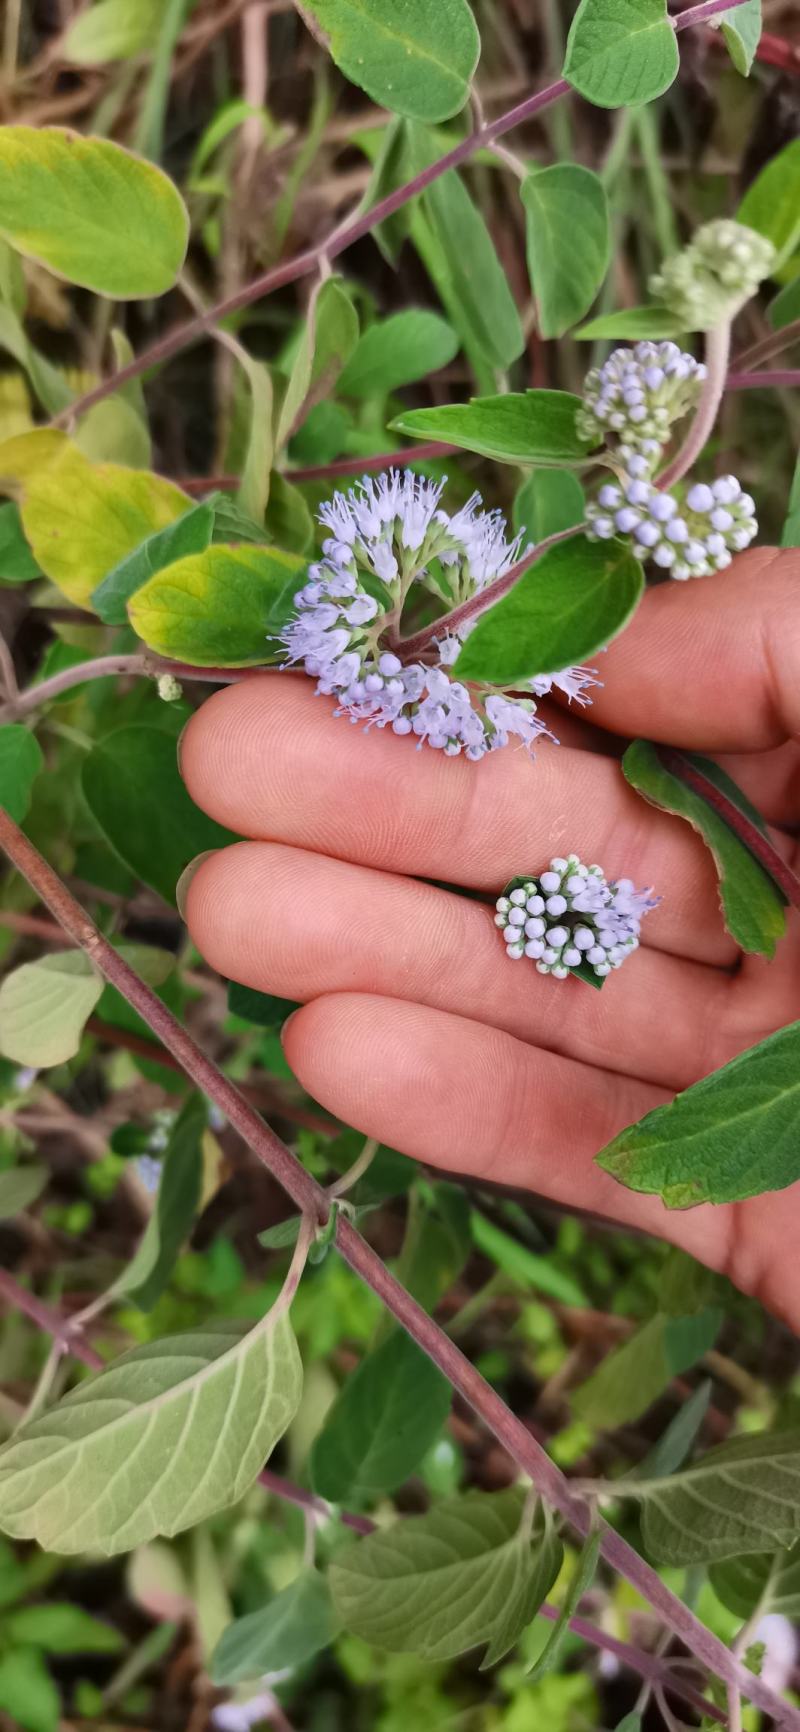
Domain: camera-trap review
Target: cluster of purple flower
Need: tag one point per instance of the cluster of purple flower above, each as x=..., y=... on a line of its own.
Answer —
x=637, y=395
x=394, y=530
x=687, y=536
x=571, y=916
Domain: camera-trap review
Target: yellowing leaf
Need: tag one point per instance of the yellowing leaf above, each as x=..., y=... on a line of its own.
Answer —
x=83, y=518
x=44, y=1006
x=214, y=607
x=91, y=212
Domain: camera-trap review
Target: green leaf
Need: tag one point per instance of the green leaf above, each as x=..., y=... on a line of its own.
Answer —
x=231, y=525
x=786, y=306
x=572, y=602
x=580, y=1581
x=282, y=1635
x=634, y=1375
x=523, y=1266
x=769, y=1580
x=549, y=501
x=621, y=52
x=111, y=30
x=409, y=56
x=253, y=491
x=398, y=351
x=631, y=1723
x=44, y=1006
x=114, y=432
x=741, y=30
x=21, y=761
x=383, y=1422
x=736, y=1497
x=188, y=534
x=215, y=608
x=632, y=322
x=790, y=534
x=677, y=1440
x=731, y=1136
x=459, y=254
x=154, y=1444
x=327, y=342
x=91, y=212
x=17, y=564
x=19, y=1187
x=752, y=904
x=772, y=203
x=288, y=520
x=528, y=427
x=435, y=1253
x=61, y=1629
x=466, y=1574
x=175, y=1210
x=27, y=1691
x=561, y=203
x=262, y=1008
x=133, y=790
x=82, y=519
x=45, y=380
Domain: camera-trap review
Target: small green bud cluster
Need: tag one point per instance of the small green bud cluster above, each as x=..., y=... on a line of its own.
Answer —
x=705, y=283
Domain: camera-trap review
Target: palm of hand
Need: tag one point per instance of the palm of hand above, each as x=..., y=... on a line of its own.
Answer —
x=416, y=1028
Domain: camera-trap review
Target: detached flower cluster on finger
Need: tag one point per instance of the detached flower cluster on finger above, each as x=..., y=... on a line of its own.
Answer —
x=389, y=539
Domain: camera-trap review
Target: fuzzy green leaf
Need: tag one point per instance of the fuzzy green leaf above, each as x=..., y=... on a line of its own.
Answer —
x=621, y=52
x=44, y=1006
x=560, y=203
x=156, y=1443
x=60, y=1628
x=21, y=761
x=741, y=30
x=397, y=351
x=731, y=1136
x=772, y=203
x=132, y=787
x=285, y=1633
x=572, y=602
x=214, y=608
x=464, y=1575
x=409, y=56
x=530, y=427
x=175, y=1209
x=188, y=534
x=327, y=343
x=734, y=1498
x=17, y=564
x=581, y=1580
x=91, y=212
x=770, y=1580
x=19, y=1187
x=752, y=904
x=547, y=502
x=630, y=323
x=111, y=30
x=385, y=1419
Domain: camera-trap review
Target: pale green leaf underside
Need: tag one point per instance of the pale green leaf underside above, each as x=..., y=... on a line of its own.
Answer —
x=770, y=1580
x=412, y=57
x=170, y=1433
x=112, y=30
x=742, y=32
x=44, y=1006
x=730, y=1502
x=621, y=52
x=439, y=1584
x=731, y=1136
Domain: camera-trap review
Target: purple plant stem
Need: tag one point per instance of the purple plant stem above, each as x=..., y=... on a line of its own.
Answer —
x=764, y=350
x=717, y=353
x=780, y=380
x=372, y=465
x=54, y=1323
x=107, y=667
x=311, y=1199
x=348, y=233
x=745, y=829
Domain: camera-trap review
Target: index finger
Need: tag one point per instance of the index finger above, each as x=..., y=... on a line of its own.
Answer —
x=269, y=759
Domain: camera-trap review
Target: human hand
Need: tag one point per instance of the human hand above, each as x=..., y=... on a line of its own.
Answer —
x=416, y=1028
